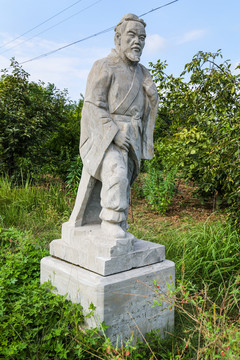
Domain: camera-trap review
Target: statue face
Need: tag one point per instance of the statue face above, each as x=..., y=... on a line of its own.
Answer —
x=132, y=41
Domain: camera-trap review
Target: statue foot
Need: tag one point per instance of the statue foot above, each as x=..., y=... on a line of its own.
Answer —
x=113, y=229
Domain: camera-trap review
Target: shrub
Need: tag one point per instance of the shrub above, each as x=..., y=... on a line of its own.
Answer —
x=200, y=121
x=159, y=188
x=34, y=323
x=39, y=126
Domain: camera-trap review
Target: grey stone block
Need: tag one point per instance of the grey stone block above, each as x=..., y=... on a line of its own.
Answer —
x=123, y=300
x=87, y=247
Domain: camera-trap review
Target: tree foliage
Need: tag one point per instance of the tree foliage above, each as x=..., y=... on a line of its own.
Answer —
x=198, y=126
x=39, y=126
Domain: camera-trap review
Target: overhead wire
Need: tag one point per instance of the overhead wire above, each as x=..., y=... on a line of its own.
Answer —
x=44, y=22
x=51, y=27
x=90, y=36
x=157, y=8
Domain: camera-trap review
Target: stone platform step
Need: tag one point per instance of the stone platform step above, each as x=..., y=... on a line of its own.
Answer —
x=89, y=249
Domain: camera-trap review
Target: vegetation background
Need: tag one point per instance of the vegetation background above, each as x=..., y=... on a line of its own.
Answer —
x=186, y=198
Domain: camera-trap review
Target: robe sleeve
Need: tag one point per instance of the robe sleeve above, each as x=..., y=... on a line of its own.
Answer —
x=150, y=114
x=97, y=126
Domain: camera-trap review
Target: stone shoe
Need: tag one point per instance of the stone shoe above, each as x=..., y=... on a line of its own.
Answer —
x=113, y=230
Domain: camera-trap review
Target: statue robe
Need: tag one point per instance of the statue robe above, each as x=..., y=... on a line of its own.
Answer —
x=116, y=93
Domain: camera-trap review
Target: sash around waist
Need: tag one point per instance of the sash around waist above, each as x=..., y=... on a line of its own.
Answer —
x=123, y=118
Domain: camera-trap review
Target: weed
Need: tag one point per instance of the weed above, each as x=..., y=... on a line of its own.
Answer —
x=74, y=175
x=211, y=329
x=34, y=322
x=159, y=188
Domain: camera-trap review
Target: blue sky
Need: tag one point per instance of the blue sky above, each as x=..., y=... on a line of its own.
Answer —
x=174, y=33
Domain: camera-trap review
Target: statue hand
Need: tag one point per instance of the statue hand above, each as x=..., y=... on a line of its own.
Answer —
x=122, y=140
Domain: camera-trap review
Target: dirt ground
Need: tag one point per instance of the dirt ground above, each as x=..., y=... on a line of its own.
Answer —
x=185, y=207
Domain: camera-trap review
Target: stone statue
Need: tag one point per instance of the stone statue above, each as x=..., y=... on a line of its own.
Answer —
x=97, y=261
x=117, y=125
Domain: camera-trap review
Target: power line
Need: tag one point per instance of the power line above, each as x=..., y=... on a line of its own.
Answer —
x=44, y=22
x=65, y=46
x=51, y=27
x=159, y=7
x=91, y=36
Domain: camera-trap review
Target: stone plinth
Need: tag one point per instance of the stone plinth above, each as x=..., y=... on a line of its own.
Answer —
x=122, y=300
x=87, y=247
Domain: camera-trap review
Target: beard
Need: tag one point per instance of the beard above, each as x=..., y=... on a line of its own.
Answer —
x=133, y=55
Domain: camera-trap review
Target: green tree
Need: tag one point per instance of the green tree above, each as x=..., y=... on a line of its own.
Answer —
x=39, y=126
x=198, y=127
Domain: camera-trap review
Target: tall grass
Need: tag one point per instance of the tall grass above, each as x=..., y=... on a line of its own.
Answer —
x=39, y=208
x=206, y=298
x=202, y=252
x=207, y=293
x=206, y=253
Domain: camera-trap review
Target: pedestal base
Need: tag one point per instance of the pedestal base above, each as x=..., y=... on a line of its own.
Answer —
x=89, y=248
x=123, y=300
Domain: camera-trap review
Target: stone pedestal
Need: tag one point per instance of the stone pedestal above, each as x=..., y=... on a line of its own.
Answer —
x=116, y=276
x=123, y=300
x=87, y=247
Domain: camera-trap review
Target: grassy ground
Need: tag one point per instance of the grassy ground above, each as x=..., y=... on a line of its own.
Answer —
x=203, y=246
x=39, y=208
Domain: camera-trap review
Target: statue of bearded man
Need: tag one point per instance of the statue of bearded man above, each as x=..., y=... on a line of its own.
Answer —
x=118, y=119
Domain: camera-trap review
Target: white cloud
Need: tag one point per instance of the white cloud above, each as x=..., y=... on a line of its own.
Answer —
x=68, y=68
x=63, y=71
x=192, y=35
x=154, y=43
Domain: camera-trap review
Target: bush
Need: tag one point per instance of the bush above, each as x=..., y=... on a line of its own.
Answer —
x=39, y=127
x=34, y=323
x=159, y=188
x=200, y=121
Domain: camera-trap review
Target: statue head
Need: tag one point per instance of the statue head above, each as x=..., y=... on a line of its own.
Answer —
x=130, y=37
